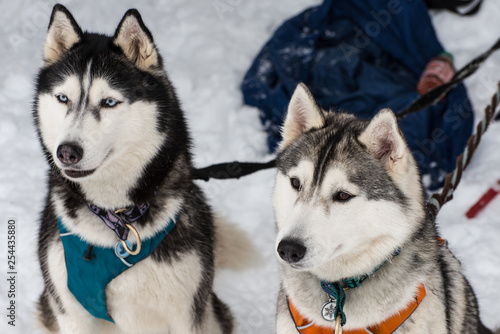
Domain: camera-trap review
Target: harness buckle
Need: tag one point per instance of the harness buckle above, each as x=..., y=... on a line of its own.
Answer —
x=137, y=237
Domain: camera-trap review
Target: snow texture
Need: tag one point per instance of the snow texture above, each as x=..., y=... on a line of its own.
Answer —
x=207, y=47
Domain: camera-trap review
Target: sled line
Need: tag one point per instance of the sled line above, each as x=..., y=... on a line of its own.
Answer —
x=452, y=180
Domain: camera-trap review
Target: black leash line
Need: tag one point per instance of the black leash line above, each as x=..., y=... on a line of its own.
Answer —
x=235, y=169
x=231, y=170
x=431, y=97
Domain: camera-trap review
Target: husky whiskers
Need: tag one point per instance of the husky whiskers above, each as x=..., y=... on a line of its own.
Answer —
x=127, y=240
x=357, y=248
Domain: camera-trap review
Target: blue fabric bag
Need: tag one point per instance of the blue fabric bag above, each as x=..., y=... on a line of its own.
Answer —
x=361, y=56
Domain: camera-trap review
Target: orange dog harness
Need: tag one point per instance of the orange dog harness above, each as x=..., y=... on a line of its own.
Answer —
x=389, y=325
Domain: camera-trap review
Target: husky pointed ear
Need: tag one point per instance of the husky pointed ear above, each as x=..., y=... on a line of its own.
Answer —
x=136, y=41
x=63, y=33
x=384, y=140
x=303, y=114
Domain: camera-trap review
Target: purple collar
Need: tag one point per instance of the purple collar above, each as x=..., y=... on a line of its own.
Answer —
x=116, y=220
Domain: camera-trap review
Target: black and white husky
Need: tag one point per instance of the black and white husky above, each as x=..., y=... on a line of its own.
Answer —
x=357, y=248
x=116, y=141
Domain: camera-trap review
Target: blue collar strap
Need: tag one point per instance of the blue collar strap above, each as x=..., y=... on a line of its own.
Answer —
x=87, y=279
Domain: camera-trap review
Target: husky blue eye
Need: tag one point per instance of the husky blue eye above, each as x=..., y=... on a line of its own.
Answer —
x=109, y=103
x=62, y=98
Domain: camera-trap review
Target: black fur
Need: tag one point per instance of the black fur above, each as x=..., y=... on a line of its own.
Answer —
x=168, y=172
x=48, y=233
x=61, y=8
x=223, y=314
x=443, y=266
x=48, y=318
x=109, y=62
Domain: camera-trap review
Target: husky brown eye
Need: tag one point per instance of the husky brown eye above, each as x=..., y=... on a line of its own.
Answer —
x=295, y=183
x=342, y=196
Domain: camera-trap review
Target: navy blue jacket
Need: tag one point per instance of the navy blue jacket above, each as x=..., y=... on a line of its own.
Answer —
x=361, y=56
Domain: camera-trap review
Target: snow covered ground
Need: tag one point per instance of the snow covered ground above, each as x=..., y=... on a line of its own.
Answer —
x=207, y=47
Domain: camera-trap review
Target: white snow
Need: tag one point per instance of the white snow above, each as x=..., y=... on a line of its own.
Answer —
x=207, y=47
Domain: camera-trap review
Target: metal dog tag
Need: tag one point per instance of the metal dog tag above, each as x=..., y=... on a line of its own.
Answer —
x=120, y=251
x=328, y=310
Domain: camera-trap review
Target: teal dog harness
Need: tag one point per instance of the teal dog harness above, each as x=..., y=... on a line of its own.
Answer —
x=88, y=276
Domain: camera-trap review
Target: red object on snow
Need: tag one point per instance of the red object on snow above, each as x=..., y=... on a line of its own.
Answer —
x=488, y=196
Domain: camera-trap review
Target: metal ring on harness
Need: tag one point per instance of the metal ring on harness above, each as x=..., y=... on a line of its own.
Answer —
x=137, y=237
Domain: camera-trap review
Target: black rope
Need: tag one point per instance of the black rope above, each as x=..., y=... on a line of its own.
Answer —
x=231, y=170
x=431, y=97
x=235, y=169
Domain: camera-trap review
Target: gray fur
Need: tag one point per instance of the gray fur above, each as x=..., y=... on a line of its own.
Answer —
x=336, y=143
x=338, y=150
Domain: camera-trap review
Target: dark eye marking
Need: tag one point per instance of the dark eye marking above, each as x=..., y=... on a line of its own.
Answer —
x=295, y=183
x=109, y=103
x=62, y=98
x=342, y=196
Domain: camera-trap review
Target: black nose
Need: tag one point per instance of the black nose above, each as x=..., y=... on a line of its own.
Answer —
x=69, y=153
x=291, y=250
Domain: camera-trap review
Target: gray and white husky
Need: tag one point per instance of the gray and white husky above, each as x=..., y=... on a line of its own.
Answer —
x=116, y=140
x=356, y=244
